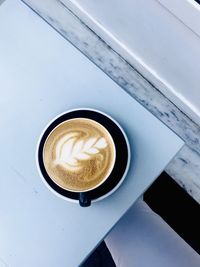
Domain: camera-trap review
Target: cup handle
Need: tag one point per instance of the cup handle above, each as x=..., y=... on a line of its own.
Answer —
x=84, y=199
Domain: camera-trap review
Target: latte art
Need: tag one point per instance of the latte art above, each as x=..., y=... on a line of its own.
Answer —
x=72, y=150
x=79, y=154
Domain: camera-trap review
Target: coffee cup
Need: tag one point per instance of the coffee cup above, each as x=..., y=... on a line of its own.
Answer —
x=83, y=155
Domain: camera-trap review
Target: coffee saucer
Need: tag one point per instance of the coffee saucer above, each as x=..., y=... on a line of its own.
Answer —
x=122, y=161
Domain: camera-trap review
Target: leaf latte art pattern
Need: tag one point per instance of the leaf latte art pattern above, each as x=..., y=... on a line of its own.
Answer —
x=72, y=150
x=79, y=154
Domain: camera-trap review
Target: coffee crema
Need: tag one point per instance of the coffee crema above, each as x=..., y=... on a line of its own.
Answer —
x=79, y=154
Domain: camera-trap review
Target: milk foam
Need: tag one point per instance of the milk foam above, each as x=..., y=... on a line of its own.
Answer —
x=79, y=154
x=72, y=150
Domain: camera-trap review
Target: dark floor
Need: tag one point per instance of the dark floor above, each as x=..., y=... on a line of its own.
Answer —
x=174, y=205
x=177, y=208
x=100, y=258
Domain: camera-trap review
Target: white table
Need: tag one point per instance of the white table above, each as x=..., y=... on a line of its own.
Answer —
x=41, y=75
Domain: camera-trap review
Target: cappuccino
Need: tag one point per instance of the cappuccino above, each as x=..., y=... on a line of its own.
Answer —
x=79, y=154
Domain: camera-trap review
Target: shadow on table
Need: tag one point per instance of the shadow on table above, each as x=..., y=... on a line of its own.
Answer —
x=100, y=258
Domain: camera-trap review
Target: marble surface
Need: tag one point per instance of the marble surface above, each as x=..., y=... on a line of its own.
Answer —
x=185, y=168
x=155, y=44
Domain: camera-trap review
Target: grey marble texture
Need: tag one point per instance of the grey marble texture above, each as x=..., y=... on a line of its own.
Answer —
x=185, y=168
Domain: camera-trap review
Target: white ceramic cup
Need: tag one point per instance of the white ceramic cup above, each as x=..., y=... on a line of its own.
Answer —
x=109, y=183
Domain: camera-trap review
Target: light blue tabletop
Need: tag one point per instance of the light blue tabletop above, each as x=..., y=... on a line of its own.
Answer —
x=42, y=75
